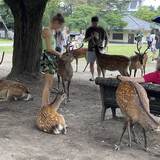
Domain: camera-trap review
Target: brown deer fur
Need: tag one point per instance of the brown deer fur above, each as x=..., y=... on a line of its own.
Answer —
x=49, y=120
x=134, y=104
x=11, y=90
x=112, y=62
x=65, y=71
x=139, y=61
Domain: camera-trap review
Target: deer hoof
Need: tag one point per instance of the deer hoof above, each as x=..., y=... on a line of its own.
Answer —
x=116, y=147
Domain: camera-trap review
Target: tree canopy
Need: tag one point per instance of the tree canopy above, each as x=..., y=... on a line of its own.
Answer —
x=147, y=13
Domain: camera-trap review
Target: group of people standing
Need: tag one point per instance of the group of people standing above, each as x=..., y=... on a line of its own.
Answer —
x=153, y=40
x=53, y=41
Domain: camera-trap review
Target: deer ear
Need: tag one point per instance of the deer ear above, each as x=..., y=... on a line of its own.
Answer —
x=136, y=52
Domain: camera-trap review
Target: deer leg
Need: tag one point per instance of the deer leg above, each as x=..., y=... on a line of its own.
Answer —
x=129, y=133
x=68, y=90
x=145, y=140
x=103, y=72
x=130, y=72
x=117, y=147
x=144, y=70
x=135, y=137
x=58, y=80
x=64, y=86
x=76, y=64
x=135, y=71
x=85, y=67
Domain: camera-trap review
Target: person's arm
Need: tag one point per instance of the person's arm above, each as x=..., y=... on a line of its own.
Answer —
x=47, y=37
x=132, y=79
x=87, y=37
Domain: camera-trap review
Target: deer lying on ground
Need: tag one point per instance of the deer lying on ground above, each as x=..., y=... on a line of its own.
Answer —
x=138, y=61
x=134, y=104
x=2, y=58
x=65, y=71
x=49, y=120
x=111, y=62
x=11, y=90
x=77, y=53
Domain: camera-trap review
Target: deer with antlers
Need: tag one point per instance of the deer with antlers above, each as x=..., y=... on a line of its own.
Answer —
x=77, y=53
x=111, y=62
x=2, y=58
x=139, y=60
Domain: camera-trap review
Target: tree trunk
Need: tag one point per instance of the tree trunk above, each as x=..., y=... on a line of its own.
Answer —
x=27, y=35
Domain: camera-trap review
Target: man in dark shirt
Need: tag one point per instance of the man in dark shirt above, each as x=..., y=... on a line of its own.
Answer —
x=100, y=34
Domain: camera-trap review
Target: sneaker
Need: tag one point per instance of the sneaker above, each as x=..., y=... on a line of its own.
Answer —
x=91, y=79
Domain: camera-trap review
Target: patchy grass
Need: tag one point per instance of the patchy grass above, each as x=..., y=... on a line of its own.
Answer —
x=123, y=49
x=3, y=41
x=6, y=49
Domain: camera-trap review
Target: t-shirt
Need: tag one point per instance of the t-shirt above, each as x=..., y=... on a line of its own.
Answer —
x=153, y=77
x=99, y=33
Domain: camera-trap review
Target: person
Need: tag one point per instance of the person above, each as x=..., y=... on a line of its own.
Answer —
x=94, y=31
x=153, y=77
x=49, y=57
x=153, y=44
x=158, y=42
x=149, y=40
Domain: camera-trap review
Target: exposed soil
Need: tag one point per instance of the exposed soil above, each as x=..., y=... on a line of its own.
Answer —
x=87, y=137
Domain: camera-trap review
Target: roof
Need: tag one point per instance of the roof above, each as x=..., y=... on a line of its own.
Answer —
x=134, y=23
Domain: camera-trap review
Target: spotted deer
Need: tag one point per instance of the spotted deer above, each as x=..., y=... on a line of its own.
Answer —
x=139, y=61
x=77, y=53
x=111, y=62
x=49, y=120
x=134, y=104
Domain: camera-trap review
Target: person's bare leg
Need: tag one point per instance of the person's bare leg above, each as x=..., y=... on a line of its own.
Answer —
x=48, y=82
x=92, y=70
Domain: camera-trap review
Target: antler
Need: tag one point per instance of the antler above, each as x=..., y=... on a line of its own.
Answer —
x=147, y=48
x=2, y=58
x=139, y=48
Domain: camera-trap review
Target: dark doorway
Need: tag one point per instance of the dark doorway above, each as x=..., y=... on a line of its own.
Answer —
x=131, y=38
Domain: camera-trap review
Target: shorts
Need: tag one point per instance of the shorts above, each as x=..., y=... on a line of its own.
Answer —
x=91, y=57
x=48, y=63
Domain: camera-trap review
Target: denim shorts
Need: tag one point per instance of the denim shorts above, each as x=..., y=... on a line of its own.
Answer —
x=91, y=57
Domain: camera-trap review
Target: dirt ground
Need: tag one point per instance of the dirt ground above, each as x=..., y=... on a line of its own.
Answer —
x=87, y=137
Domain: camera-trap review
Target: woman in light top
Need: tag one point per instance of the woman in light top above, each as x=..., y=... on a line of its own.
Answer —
x=50, y=55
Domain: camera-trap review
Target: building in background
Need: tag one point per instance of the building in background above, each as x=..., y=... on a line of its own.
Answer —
x=128, y=33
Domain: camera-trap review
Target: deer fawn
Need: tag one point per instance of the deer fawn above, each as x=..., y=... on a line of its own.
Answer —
x=65, y=71
x=2, y=58
x=111, y=62
x=134, y=104
x=77, y=53
x=139, y=61
x=49, y=120
x=11, y=90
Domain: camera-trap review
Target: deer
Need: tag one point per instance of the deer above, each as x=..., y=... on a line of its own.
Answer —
x=77, y=53
x=49, y=120
x=65, y=72
x=2, y=58
x=111, y=62
x=139, y=61
x=12, y=90
x=132, y=99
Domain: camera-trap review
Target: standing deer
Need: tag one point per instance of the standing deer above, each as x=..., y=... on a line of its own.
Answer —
x=65, y=71
x=139, y=61
x=134, y=104
x=2, y=58
x=77, y=53
x=111, y=62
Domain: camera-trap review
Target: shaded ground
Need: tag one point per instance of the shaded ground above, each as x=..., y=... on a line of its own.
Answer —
x=87, y=137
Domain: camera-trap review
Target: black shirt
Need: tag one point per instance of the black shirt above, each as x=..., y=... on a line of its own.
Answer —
x=100, y=35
